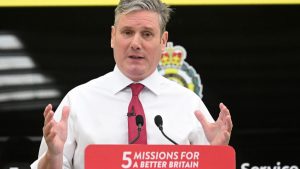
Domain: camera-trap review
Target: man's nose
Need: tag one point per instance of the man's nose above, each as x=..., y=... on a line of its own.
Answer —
x=136, y=42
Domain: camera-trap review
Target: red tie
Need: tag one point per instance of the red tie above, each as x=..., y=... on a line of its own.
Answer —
x=135, y=108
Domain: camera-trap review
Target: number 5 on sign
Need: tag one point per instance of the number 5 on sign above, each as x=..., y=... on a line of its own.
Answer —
x=127, y=159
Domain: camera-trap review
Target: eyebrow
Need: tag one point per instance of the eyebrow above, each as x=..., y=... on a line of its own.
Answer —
x=129, y=27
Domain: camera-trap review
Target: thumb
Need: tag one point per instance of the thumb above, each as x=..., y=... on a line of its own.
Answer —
x=201, y=118
x=65, y=114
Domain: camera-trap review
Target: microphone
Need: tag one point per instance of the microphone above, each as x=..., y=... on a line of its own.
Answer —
x=139, y=120
x=159, y=123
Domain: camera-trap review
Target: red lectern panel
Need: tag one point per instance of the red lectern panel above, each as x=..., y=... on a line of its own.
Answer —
x=159, y=157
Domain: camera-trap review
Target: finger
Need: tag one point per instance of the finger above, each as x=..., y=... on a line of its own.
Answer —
x=224, y=112
x=65, y=114
x=48, y=128
x=221, y=114
x=47, y=112
x=50, y=137
x=48, y=117
x=201, y=118
x=226, y=137
x=47, y=109
x=229, y=123
x=224, y=109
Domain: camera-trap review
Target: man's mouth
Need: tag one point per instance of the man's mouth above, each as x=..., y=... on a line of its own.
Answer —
x=136, y=57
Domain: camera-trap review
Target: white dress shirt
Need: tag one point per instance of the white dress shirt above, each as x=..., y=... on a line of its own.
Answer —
x=98, y=114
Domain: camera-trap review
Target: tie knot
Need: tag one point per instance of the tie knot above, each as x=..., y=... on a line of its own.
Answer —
x=136, y=88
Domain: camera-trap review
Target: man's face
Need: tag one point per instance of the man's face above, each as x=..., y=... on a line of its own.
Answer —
x=137, y=43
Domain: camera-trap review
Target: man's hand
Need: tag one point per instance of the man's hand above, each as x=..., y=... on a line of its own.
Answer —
x=55, y=133
x=217, y=133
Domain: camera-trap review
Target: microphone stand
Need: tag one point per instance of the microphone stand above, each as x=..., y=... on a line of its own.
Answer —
x=161, y=129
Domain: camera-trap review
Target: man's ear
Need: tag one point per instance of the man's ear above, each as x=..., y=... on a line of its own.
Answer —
x=112, y=36
x=164, y=40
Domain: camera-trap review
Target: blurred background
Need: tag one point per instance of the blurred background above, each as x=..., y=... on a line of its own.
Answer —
x=247, y=55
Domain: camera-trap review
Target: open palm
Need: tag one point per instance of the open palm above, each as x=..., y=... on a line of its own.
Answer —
x=55, y=133
x=217, y=133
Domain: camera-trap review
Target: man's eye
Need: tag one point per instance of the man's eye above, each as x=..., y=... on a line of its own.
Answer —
x=147, y=34
x=127, y=33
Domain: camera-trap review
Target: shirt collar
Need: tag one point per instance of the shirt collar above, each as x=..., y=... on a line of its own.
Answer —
x=120, y=81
